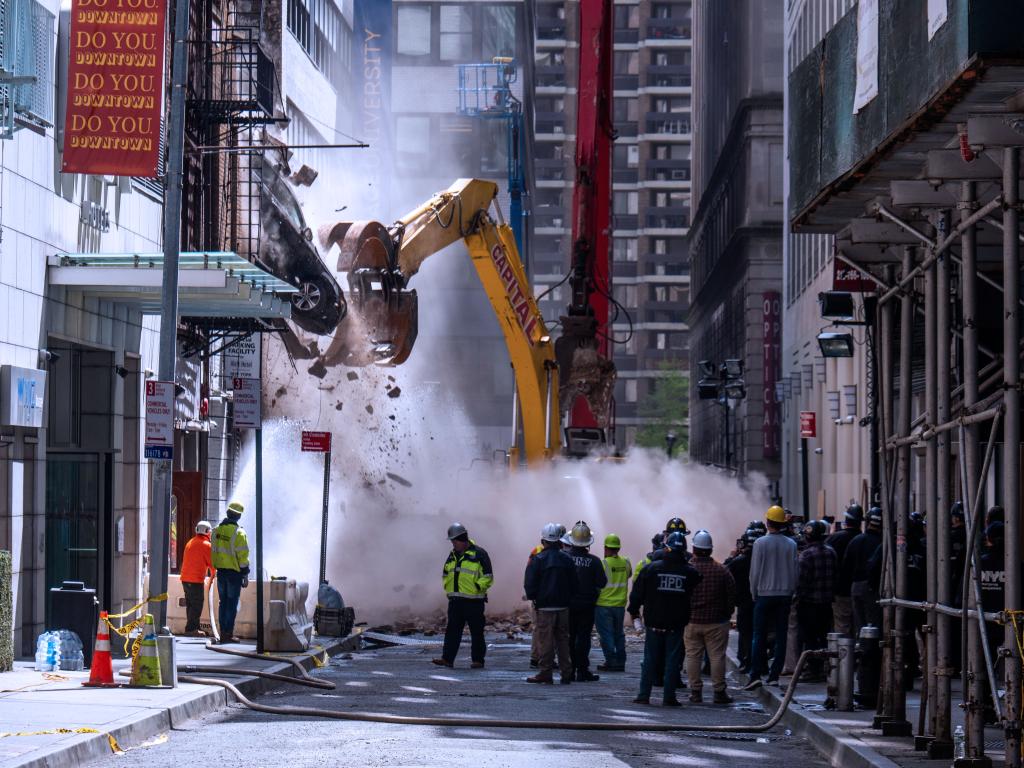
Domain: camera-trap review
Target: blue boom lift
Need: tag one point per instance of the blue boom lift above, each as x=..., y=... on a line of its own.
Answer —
x=485, y=92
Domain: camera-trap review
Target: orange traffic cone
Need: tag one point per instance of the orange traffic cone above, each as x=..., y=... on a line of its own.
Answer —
x=101, y=674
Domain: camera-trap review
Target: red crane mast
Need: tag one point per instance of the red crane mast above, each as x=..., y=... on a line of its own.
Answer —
x=584, y=348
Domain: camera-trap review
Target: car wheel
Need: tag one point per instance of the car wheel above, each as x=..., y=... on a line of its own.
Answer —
x=309, y=297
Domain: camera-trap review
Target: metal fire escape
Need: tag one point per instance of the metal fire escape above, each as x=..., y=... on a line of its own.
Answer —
x=230, y=98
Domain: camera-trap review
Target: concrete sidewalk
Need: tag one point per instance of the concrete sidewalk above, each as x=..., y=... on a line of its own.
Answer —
x=29, y=703
x=847, y=739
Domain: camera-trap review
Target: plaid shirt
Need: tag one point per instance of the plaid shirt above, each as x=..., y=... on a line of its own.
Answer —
x=714, y=597
x=817, y=580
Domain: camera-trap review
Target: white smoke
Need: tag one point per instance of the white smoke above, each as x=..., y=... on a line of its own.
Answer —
x=387, y=531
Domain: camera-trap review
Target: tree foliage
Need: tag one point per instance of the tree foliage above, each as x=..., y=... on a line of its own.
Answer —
x=666, y=409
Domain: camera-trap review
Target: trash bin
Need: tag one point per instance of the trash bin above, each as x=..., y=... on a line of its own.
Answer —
x=74, y=607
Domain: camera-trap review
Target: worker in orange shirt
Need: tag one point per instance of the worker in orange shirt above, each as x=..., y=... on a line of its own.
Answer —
x=195, y=565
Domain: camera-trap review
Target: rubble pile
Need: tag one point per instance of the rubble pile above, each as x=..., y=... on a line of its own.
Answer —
x=514, y=625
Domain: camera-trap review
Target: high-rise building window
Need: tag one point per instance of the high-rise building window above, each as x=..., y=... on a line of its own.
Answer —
x=627, y=16
x=413, y=34
x=498, y=29
x=626, y=156
x=630, y=388
x=626, y=110
x=456, y=33
x=626, y=63
x=626, y=203
x=624, y=249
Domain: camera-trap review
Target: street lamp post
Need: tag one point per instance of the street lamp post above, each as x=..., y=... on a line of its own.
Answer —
x=723, y=382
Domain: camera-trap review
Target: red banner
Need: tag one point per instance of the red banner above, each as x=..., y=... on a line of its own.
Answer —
x=771, y=316
x=115, y=87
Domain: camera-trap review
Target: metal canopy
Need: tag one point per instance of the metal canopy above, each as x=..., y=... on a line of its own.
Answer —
x=986, y=106
x=215, y=284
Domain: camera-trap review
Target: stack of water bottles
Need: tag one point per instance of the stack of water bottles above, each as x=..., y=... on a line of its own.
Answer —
x=59, y=649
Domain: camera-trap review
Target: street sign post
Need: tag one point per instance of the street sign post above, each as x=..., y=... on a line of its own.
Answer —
x=808, y=424
x=248, y=414
x=320, y=442
x=808, y=429
x=159, y=420
x=247, y=411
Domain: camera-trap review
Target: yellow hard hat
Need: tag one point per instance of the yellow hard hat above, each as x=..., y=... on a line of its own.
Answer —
x=612, y=541
x=236, y=507
x=776, y=514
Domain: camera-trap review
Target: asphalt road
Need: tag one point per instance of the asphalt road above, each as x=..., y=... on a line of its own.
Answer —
x=401, y=680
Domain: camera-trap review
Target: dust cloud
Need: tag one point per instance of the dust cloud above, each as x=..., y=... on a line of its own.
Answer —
x=398, y=484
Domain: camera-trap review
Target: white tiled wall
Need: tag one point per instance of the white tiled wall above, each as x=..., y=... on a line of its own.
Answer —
x=39, y=217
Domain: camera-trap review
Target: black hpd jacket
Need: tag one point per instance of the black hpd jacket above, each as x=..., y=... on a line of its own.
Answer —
x=663, y=591
x=590, y=578
x=856, y=561
x=739, y=567
x=839, y=541
x=550, y=579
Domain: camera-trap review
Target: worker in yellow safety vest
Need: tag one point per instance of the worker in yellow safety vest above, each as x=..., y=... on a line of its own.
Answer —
x=610, y=613
x=230, y=556
x=466, y=577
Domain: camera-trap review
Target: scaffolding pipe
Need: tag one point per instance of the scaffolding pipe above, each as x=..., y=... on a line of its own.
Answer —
x=1011, y=443
x=999, y=225
x=942, y=744
x=944, y=610
x=884, y=286
x=937, y=248
x=897, y=709
x=888, y=465
x=983, y=277
x=931, y=395
x=972, y=565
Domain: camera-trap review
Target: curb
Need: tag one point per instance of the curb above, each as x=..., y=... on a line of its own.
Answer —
x=140, y=726
x=831, y=742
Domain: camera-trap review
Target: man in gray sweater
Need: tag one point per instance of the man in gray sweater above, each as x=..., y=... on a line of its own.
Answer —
x=773, y=580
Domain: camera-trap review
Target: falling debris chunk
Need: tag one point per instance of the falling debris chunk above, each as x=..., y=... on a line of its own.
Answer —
x=399, y=479
x=339, y=406
x=281, y=391
x=318, y=369
x=395, y=392
x=304, y=176
x=391, y=378
x=352, y=375
x=369, y=409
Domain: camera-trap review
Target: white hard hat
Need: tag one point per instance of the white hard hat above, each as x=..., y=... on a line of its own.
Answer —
x=702, y=540
x=551, y=532
x=203, y=526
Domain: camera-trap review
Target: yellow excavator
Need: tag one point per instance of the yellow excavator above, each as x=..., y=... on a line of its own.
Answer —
x=382, y=322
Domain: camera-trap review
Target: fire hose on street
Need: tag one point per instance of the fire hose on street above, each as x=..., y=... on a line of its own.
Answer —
x=472, y=722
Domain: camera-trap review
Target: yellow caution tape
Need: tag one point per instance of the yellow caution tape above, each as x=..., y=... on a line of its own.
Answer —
x=137, y=606
x=114, y=746
x=126, y=630
x=50, y=732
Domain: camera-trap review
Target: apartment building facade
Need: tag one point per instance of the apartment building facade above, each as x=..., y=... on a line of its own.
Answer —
x=736, y=235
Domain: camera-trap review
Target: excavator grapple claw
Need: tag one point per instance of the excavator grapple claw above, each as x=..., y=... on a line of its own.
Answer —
x=383, y=316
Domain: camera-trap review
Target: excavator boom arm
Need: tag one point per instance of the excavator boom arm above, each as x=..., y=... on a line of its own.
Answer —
x=380, y=263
